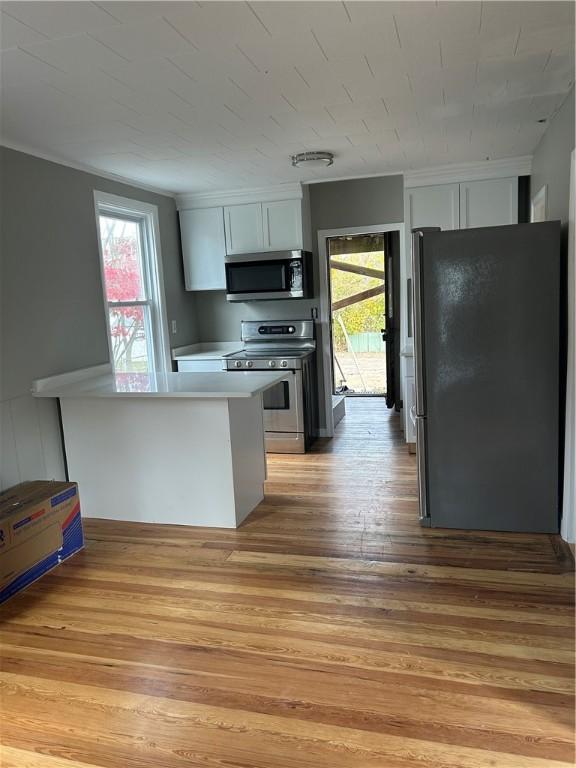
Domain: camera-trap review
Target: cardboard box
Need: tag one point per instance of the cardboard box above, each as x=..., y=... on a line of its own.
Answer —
x=40, y=526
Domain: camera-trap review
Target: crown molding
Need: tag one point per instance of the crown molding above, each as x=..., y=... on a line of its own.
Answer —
x=25, y=150
x=289, y=191
x=355, y=177
x=476, y=171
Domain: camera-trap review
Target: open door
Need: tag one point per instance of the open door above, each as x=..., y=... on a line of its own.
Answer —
x=357, y=274
x=391, y=331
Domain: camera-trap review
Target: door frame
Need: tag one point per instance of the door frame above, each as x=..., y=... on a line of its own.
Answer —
x=324, y=287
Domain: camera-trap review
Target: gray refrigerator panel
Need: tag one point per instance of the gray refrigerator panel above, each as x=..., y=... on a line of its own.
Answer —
x=491, y=324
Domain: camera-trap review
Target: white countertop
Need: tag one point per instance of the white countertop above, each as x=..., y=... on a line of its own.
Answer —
x=223, y=385
x=207, y=350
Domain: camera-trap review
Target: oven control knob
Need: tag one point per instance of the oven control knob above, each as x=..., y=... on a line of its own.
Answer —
x=237, y=364
x=272, y=363
x=283, y=364
x=249, y=363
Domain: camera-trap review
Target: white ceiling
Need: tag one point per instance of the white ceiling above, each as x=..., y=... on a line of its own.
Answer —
x=194, y=96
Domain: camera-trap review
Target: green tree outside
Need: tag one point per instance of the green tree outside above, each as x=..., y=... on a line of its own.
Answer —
x=367, y=315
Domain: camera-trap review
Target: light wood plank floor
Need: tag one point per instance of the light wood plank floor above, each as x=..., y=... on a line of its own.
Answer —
x=330, y=631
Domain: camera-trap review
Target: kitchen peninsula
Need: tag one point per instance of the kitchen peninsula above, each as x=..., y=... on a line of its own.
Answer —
x=180, y=448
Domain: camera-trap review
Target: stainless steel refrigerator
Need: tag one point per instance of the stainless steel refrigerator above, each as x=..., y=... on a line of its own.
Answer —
x=487, y=306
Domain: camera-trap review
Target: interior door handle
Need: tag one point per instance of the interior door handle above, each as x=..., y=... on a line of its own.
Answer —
x=383, y=332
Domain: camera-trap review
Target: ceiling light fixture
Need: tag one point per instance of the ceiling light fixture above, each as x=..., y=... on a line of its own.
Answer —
x=313, y=159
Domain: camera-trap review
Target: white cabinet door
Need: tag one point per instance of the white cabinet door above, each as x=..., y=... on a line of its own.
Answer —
x=435, y=206
x=489, y=203
x=244, y=231
x=282, y=225
x=203, y=249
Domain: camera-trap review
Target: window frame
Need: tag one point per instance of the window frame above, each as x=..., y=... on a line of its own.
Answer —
x=146, y=215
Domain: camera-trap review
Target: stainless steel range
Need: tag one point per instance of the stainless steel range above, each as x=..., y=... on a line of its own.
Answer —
x=290, y=408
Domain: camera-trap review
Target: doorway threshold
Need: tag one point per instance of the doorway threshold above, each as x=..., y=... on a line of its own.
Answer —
x=363, y=394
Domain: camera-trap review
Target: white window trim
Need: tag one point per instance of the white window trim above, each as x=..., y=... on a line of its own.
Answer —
x=113, y=204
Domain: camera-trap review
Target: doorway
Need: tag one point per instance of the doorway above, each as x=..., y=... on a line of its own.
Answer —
x=395, y=310
x=332, y=246
x=357, y=283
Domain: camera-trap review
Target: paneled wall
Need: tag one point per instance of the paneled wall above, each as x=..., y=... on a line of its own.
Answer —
x=30, y=448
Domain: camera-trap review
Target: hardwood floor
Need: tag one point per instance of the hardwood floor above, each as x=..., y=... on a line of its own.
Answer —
x=329, y=631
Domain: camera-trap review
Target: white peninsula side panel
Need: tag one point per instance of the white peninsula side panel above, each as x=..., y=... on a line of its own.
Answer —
x=166, y=460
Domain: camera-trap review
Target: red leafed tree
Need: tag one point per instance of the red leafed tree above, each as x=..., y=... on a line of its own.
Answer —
x=123, y=283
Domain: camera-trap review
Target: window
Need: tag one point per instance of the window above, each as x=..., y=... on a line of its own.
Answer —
x=133, y=291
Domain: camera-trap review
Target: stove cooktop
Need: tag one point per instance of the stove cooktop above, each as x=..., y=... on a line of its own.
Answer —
x=262, y=360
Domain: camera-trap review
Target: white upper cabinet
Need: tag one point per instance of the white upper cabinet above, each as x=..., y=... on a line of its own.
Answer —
x=485, y=203
x=489, y=203
x=282, y=221
x=203, y=248
x=244, y=229
x=216, y=226
x=274, y=226
x=434, y=206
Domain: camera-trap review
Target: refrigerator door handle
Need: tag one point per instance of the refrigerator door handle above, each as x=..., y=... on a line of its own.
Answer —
x=417, y=237
x=417, y=303
x=422, y=478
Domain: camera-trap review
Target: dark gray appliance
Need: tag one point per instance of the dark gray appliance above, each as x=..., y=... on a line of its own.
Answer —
x=487, y=359
x=270, y=275
x=290, y=407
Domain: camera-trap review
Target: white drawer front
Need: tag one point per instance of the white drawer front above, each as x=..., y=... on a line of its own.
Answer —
x=409, y=409
x=199, y=366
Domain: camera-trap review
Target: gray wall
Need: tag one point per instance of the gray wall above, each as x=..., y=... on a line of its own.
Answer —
x=333, y=205
x=219, y=320
x=356, y=203
x=551, y=163
x=52, y=303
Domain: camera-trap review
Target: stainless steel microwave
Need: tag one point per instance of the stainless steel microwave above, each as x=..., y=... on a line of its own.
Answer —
x=266, y=276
